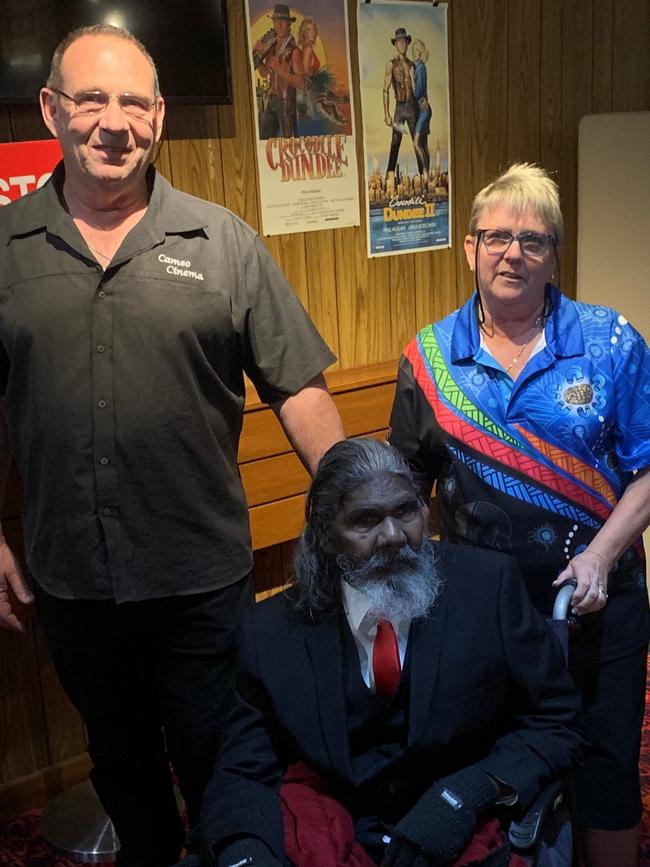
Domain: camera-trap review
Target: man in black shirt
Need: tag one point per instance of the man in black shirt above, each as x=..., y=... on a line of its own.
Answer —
x=129, y=313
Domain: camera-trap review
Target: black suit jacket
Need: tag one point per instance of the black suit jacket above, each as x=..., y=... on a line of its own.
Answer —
x=488, y=684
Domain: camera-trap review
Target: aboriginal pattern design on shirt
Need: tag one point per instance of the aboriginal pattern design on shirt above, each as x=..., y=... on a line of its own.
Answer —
x=559, y=472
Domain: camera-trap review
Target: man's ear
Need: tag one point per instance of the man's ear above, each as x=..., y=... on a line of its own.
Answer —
x=50, y=110
x=159, y=118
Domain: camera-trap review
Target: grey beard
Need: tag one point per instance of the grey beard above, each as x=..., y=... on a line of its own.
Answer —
x=403, y=585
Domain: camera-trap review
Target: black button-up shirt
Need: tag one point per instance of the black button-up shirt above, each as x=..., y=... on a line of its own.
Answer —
x=124, y=390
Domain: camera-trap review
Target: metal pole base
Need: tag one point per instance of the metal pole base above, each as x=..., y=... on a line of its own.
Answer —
x=76, y=823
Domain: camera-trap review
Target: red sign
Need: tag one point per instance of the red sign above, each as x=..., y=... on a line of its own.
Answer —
x=26, y=166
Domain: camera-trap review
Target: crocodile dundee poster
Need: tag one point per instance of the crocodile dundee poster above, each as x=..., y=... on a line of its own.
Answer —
x=403, y=75
x=304, y=116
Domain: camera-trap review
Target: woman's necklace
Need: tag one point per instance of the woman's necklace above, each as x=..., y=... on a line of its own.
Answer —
x=535, y=333
x=521, y=351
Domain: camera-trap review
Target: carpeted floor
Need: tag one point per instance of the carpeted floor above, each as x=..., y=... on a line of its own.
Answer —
x=22, y=846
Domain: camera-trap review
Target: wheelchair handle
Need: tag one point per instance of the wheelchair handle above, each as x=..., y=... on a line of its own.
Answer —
x=563, y=599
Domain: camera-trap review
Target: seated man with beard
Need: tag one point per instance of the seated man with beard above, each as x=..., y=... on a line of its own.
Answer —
x=396, y=693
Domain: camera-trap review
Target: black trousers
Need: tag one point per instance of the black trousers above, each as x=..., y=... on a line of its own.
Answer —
x=153, y=683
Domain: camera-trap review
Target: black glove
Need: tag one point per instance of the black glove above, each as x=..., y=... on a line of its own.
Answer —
x=246, y=852
x=441, y=824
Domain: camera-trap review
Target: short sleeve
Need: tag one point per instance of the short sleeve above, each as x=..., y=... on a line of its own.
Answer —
x=282, y=349
x=631, y=374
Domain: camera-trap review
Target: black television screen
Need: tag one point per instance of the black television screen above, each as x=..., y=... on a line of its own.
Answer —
x=186, y=38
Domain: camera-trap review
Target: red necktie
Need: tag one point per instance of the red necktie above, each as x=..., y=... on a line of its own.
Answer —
x=385, y=660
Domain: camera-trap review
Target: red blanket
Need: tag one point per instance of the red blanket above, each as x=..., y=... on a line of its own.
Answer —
x=319, y=831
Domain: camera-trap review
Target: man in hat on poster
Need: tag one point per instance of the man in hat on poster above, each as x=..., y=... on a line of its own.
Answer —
x=399, y=75
x=280, y=62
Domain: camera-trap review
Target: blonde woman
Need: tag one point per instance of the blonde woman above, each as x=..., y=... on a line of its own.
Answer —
x=420, y=55
x=531, y=412
x=307, y=35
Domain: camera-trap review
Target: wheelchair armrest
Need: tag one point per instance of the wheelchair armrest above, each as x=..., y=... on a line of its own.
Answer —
x=525, y=833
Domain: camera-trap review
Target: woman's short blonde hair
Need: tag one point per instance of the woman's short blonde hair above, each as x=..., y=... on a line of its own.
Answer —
x=424, y=51
x=521, y=186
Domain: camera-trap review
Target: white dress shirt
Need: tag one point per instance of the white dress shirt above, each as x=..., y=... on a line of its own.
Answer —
x=364, y=630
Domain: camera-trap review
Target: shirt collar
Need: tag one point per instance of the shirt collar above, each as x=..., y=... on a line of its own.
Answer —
x=355, y=603
x=48, y=210
x=563, y=331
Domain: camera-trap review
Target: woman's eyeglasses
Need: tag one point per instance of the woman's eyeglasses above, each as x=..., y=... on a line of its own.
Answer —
x=533, y=245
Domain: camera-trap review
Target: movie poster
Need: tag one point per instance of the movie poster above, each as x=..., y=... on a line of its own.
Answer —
x=304, y=119
x=403, y=73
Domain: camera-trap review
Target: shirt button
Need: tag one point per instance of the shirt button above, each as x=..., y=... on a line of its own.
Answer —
x=101, y=294
x=103, y=461
x=101, y=347
x=102, y=404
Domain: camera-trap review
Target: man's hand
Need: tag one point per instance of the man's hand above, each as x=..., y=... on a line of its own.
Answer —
x=591, y=571
x=11, y=582
x=388, y=120
x=442, y=822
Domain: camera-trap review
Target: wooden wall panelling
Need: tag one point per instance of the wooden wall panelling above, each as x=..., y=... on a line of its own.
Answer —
x=195, y=150
x=322, y=302
x=236, y=125
x=162, y=160
x=523, y=81
x=268, y=571
x=551, y=96
x=401, y=273
x=289, y=253
x=363, y=298
x=272, y=569
x=276, y=522
x=273, y=477
x=261, y=436
x=23, y=793
x=577, y=59
x=23, y=727
x=363, y=408
x=438, y=290
x=603, y=48
x=631, y=56
x=479, y=39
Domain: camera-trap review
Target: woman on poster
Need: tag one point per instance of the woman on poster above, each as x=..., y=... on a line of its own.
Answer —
x=420, y=55
x=306, y=40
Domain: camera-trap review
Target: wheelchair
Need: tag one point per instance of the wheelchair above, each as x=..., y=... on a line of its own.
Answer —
x=545, y=836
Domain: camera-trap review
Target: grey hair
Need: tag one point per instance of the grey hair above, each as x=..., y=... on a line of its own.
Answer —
x=523, y=184
x=55, y=79
x=345, y=466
